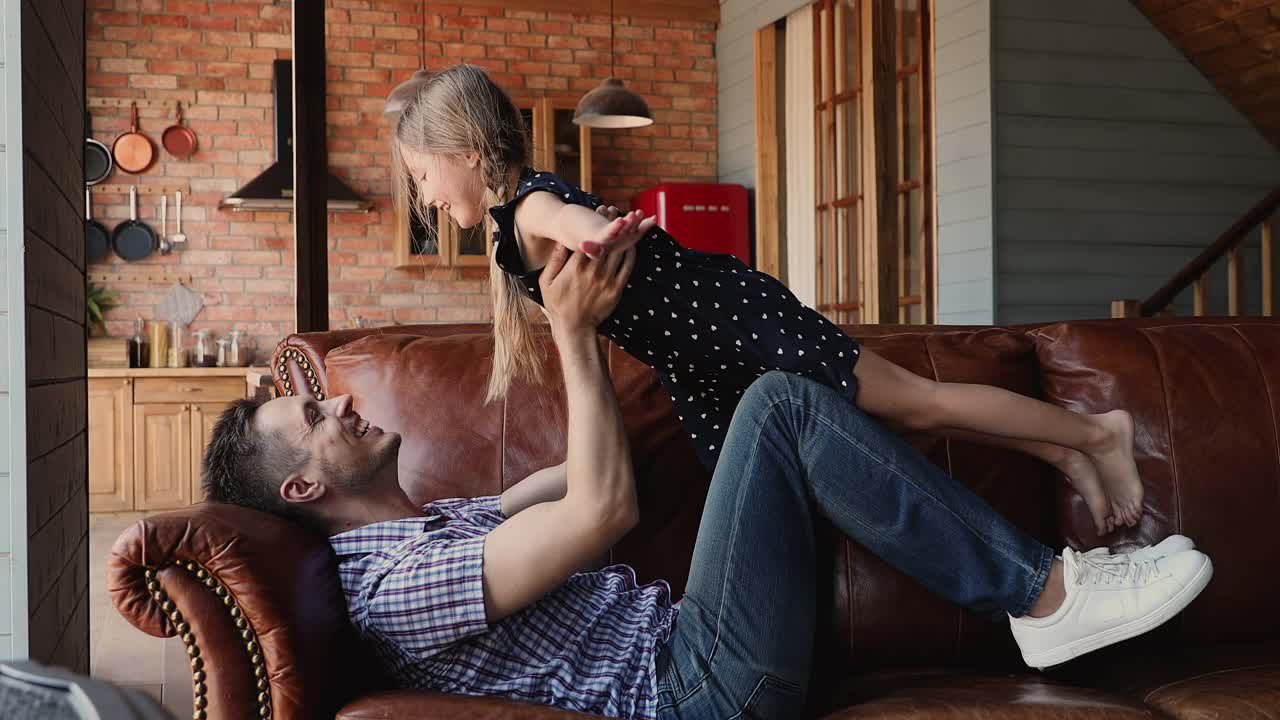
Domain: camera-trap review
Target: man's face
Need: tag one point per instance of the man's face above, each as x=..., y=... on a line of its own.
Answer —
x=348, y=455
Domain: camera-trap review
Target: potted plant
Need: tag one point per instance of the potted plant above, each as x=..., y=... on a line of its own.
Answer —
x=98, y=301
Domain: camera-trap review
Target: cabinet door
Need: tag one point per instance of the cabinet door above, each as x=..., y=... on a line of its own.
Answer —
x=203, y=418
x=162, y=455
x=110, y=444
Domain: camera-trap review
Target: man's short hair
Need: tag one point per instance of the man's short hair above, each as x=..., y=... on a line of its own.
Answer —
x=245, y=465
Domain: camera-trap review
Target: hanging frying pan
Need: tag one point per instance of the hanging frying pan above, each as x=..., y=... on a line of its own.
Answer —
x=133, y=239
x=96, y=240
x=97, y=158
x=133, y=151
x=179, y=139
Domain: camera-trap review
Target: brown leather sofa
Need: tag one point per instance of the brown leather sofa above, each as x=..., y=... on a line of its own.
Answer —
x=258, y=603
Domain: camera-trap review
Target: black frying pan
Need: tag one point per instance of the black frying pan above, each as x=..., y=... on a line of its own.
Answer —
x=96, y=240
x=133, y=239
x=97, y=158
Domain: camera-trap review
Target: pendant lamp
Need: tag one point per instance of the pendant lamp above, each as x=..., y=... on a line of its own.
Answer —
x=407, y=90
x=612, y=105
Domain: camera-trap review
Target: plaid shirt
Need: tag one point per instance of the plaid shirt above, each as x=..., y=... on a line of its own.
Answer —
x=414, y=592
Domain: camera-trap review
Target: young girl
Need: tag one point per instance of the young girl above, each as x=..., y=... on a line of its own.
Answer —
x=708, y=324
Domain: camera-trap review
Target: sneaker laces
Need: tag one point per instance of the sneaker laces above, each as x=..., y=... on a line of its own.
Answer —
x=1108, y=569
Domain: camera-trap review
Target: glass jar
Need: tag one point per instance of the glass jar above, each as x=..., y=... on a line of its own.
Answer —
x=159, y=345
x=177, y=349
x=240, y=354
x=222, y=352
x=202, y=355
x=139, y=348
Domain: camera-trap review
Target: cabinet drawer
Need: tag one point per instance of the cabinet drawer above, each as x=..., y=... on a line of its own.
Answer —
x=185, y=390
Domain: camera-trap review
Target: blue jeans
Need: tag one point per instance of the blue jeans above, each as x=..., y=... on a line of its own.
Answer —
x=742, y=643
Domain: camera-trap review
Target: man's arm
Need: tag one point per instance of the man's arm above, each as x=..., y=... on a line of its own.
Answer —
x=544, y=485
x=537, y=549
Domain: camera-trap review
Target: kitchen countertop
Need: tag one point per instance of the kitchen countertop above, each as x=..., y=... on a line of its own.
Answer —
x=246, y=372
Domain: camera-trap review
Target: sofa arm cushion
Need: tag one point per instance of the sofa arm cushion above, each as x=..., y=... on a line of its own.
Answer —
x=255, y=599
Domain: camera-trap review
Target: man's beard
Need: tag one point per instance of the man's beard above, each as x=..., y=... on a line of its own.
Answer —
x=360, y=476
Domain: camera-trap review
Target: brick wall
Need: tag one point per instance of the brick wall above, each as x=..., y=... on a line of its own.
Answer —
x=216, y=55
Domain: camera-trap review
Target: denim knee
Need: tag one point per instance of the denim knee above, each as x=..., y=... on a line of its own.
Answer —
x=768, y=388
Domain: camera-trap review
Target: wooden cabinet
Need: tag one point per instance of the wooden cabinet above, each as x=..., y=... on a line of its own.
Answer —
x=203, y=417
x=147, y=434
x=111, y=444
x=162, y=456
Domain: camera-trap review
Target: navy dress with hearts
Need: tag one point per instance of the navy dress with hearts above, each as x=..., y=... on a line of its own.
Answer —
x=708, y=324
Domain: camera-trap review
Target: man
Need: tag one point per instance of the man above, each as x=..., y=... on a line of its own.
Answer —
x=482, y=596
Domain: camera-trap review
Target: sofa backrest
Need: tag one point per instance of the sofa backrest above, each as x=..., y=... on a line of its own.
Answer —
x=1205, y=395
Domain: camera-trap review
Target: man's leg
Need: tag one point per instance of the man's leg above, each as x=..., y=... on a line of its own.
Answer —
x=743, y=639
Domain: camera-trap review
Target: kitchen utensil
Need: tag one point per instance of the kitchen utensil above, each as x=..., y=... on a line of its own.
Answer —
x=133, y=239
x=97, y=158
x=165, y=247
x=97, y=242
x=179, y=236
x=180, y=304
x=134, y=151
x=179, y=139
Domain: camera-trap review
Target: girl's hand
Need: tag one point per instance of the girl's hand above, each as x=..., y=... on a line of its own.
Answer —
x=620, y=234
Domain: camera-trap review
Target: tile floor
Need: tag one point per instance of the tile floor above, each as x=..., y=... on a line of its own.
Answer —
x=121, y=653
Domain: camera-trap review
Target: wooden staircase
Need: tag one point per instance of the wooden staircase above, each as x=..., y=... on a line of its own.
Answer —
x=1196, y=272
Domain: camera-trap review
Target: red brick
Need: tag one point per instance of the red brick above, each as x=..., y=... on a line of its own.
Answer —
x=471, y=22
x=113, y=18
x=176, y=21
x=260, y=25
x=206, y=22
x=528, y=40
x=566, y=41
x=172, y=67
x=246, y=10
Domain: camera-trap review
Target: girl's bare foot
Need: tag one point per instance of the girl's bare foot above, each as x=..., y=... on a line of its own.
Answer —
x=1083, y=476
x=1112, y=455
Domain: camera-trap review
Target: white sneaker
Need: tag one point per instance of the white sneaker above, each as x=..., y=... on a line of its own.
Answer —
x=1171, y=545
x=1110, y=599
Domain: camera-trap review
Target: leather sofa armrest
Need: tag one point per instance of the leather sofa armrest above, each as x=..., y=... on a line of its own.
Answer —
x=255, y=599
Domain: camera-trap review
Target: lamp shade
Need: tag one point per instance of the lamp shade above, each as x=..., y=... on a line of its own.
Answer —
x=405, y=91
x=612, y=106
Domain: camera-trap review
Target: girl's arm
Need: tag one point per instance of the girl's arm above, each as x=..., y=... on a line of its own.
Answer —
x=544, y=221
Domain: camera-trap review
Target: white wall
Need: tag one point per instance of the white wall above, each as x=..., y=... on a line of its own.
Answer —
x=13, y=457
x=735, y=68
x=965, y=186
x=1116, y=161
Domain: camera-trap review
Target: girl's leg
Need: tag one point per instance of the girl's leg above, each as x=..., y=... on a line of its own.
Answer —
x=902, y=397
x=1073, y=464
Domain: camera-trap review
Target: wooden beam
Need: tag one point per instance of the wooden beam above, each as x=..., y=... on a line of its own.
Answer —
x=699, y=10
x=310, y=168
x=768, y=205
x=1269, y=268
x=880, y=191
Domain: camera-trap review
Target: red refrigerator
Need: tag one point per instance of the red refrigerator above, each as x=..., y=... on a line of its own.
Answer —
x=711, y=217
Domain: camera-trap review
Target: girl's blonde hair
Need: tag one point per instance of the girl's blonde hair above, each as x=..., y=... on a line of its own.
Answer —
x=460, y=110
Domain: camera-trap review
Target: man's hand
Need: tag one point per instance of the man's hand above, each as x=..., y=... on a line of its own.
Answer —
x=578, y=292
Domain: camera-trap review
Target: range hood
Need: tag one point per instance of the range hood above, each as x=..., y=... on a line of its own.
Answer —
x=273, y=188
